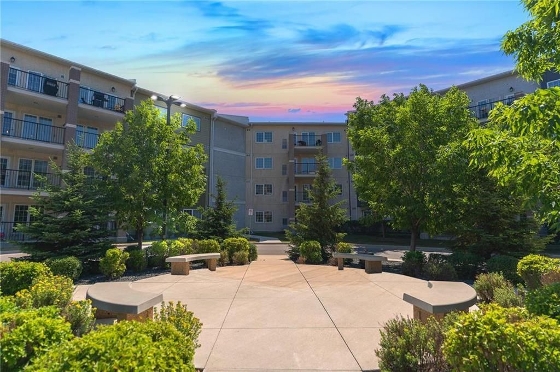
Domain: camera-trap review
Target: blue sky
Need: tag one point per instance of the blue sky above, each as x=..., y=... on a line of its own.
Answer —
x=273, y=60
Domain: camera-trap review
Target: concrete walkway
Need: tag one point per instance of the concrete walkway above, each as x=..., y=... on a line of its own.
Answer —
x=278, y=316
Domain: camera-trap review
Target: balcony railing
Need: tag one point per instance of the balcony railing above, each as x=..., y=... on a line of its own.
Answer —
x=8, y=232
x=102, y=100
x=33, y=131
x=482, y=110
x=304, y=140
x=36, y=82
x=86, y=140
x=26, y=180
x=305, y=168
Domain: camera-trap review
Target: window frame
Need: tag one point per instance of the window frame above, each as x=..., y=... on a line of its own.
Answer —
x=185, y=118
x=332, y=163
x=331, y=137
x=263, y=135
x=265, y=188
x=264, y=161
x=266, y=216
x=553, y=83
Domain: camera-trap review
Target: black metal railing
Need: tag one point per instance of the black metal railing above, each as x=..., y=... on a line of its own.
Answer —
x=303, y=196
x=305, y=168
x=301, y=140
x=36, y=82
x=8, y=232
x=482, y=110
x=33, y=131
x=102, y=100
x=86, y=140
x=26, y=180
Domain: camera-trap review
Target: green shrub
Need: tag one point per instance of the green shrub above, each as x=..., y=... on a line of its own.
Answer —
x=544, y=301
x=113, y=265
x=26, y=335
x=253, y=254
x=503, y=339
x=157, y=253
x=137, y=261
x=175, y=248
x=413, y=263
x=241, y=258
x=439, y=271
x=486, y=284
x=507, y=297
x=467, y=264
x=207, y=246
x=344, y=247
x=551, y=277
x=188, y=245
x=8, y=304
x=311, y=251
x=125, y=346
x=532, y=267
x=507, y=265
x=234, y=245
x=52, y=290
x=68, y=266
x=18, y=275
x=81, y=316
x=182, y=319
x=224, y=258
x=409, y=345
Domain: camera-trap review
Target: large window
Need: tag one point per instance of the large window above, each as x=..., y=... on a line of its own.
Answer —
x=21, y=214
x=86, y=137
x=185, y=121
x=263, y=217
x=264, y=137
x=263, y=163
x=553, y=83
x=333, y=137
x=263, y=189
x=27, y=168
x=335, y=163
x=37, y=128
x=8, y=124
x=34, y=81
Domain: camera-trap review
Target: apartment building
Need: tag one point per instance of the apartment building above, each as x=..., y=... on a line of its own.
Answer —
x=281, y=168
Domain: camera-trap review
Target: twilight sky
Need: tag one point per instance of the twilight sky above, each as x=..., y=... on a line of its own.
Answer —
x=273, y=60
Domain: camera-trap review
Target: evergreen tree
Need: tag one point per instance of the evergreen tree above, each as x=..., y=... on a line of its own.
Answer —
x=217, y=222
x=320, y=219
x=73, y=219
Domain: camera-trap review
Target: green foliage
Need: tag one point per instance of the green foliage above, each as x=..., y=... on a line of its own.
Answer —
x=67, y=266
x=507, y=265
x=241, y=258
x=182, y=319
x=508, y=297
x=503, y=339
x=113, y=265
x=413, y=263
x=150, y=170
x=26, y=335
x=217, y=221
x=344, y=247
x=47, y=290
x=439, y=271
x=207, y=246
x=409, y=345
x=73, y=220
x=157, y=253
x=253, y=254
x=533, y=266
x=81, y=316
x=7, y=304
x=187, y=245
x=551, y=277
x=18, y=275
x=467, y=264
x=322, y=218
x=544, y=301
x=408, y=159
x=311, y=251
x=137, y=261
x=125, y=346
x=176, y=247
x=485, y=285
x=234, y=245
x=224, y=258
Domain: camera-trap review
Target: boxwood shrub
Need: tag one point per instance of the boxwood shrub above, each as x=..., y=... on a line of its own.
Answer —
x=311, y=251
x=207, y=246
x=113, y=265
x=413, y=263
x=68, y=266
x=18, y=275
x=52, y=290
x=233, y=245
x=507, y=265
x=533, y=266
x=137, y=261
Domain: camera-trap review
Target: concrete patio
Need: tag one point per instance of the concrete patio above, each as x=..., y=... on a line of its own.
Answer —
x=278, y=316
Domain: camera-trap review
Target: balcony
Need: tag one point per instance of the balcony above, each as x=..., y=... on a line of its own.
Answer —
x=305, y=169
x=86, y=140
x=32, y=131
x=37, y=82
x=481, y=111
x=26, y=180
x=102, y=100
x=9, y=233
x=303, y=197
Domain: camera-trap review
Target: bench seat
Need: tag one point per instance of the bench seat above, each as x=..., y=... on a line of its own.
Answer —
x=180, y=265
x=438, y=298
x=118, y=300
x=372, y=262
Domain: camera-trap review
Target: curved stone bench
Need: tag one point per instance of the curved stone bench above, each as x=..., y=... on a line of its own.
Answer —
x=118, y=300
x=439, y=298
x=180, y=265
x=372, y=262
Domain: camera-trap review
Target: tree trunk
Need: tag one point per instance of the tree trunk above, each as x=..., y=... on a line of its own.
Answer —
x=413, y=236
x=140, y=236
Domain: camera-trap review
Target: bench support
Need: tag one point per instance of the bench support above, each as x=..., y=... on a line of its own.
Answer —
x=144, y=315
x=373, y=267
x=180, y=268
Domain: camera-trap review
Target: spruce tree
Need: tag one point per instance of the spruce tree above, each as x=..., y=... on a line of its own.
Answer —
x=72, y=220
x=217, y=221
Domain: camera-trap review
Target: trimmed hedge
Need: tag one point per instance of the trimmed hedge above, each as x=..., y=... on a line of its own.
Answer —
x=311, y=251
x=235, y=245
x=67, y=266
x=18, y=275
x=113, y=265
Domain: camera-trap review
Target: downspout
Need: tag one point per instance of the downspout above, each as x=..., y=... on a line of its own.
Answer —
x=211, y=181
x=349, y=176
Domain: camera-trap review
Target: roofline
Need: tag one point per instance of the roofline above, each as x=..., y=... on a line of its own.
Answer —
x=228, y=120
x=149, y=92
x=482, y=80
x=65, y=61
x=296, y=123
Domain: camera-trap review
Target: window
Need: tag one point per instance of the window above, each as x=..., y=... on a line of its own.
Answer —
x=86, y=137
x=483, y=108
x=34, y=81
x=21, y=214
x=284, y=222
x=284, y=196
x=264, y=137
x=185, y=121
x=89, y=172
x=284, y=169
x=26, y=168
x=8, y=124
x=338, y=188
x=263, y=163
x=263, y=189
x=284, y=143
x=335, y=163
x=3, y=171
x=192, y=212
x=36, y=128
x=263, y=217
x=333, y=137
x=13, y=76
x=553, y=83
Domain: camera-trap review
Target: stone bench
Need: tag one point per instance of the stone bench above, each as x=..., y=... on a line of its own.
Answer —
x=439, y=298
x=117, y=300
x=180, y=265
x=372, y=262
